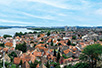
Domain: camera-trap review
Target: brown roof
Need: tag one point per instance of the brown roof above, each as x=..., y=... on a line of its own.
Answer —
x=17, y=60
x=37, y=53
x=9, y=44
x=66, y=51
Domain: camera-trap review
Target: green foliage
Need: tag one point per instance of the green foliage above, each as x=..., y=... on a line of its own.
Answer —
x=20, y=62
x=5, y=36
x=81, y=65
x=58, y=39
x=46, y=29
x=100, y=39
x=69, y=66
x=48, y=65
x=33, y=65
x=69, y=42
x=32, y=42
x=13, y=66
x=73, y=37
x=39, y=35
x=56, y=65
x=54, y=52
x=91, y=52
x=59, y=44
x=34, y=45
x=48, y=34
x=95, y=40
x=19, y=34
x=73, y=44
x=35, y=32
x=58, y=56
x=30, y=32
x=13, y=54
x=22, y=47
x=2, y=44
x=78, y=65
x=52, y=43
x=45, y=45
x=65, y=57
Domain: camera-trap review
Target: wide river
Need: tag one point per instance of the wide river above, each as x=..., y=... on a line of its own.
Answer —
x=12, y=31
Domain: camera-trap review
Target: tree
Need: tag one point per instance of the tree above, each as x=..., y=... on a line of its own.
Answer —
x=51, y=42
x=33, y=65
x=48, y=34
x=81, y=65
x=58, y=56
x=48, y=65
x=100, y=39
x=39, y=35
x=13, y=54
x=35, y=32
x=5, y=36
x=54, y=52
x=13, y=66
x=22, y=47
x=91, y=54
x=73, y=37
x=45, y=45
x=69, y=42
x=20, y=62
x=2, y=44
x=59, y=44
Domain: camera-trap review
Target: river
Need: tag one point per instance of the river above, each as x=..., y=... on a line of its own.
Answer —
x=12, y=31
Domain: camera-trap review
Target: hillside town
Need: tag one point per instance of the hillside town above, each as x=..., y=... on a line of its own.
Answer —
x=47, y=49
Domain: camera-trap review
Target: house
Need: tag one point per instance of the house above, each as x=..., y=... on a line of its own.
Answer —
x=25, y=65
x=7, y=58
x=8, y=44
x=17, y=60
x=68, y=52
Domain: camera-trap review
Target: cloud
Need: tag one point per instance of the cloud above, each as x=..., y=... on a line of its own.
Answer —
x=41, y=17
x=99, y=11
x=51, y=3
x=17, y=22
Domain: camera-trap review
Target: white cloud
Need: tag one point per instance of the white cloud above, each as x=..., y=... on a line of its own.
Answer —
x=12, y=21
x=41, y=17
x=99, y=11
x=52, y=3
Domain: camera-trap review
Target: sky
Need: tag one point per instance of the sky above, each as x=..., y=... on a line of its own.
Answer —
x=51, y=13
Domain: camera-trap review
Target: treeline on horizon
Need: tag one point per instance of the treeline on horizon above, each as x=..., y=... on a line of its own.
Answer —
x=46, y=28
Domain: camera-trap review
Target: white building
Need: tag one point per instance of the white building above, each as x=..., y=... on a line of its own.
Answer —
x=14, y=43
x=66, y=28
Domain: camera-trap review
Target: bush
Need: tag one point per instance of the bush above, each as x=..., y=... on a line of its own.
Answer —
x=5, y=36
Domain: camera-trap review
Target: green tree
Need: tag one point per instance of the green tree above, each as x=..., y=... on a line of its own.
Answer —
x=51, y=42
x=58, y=56
x=69, y=42
x=91, y=54
x=48, y=34
x=2, y=44
x=33, y=65
x=54, y=52
x=81, y=65
x=73, y=37
x=13, y=66
x=48, y=65
x=45, y=45
x=20, y=62
x=22, y=47
x=5, y=36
